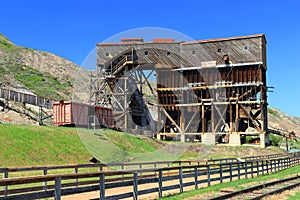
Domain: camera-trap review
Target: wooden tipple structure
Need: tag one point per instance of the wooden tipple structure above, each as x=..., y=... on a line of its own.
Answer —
x=212, y=90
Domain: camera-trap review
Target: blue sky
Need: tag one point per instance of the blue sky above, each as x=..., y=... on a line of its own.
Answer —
x=72, y=28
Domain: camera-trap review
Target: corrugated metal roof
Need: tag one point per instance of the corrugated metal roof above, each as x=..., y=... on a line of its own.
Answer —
x=171, y=40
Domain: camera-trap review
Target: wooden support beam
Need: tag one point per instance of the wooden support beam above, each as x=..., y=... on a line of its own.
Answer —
x=171, y=119
x=221, y=117
x=191, y=120
x=251, y=118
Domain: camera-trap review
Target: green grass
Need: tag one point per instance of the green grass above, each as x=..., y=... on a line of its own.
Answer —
x=6, y=44
x=42, y=84
x=274, y=113
x=294, y=197
x=275, y=139
x=235, y=184
x=32, y=145
x=35, y=145
x=113, y=146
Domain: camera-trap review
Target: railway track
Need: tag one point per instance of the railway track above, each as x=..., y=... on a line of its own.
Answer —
x=262, y=190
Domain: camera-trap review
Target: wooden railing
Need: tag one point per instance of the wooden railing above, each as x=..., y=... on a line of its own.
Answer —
x=152, y=180
x=25, y=98
x=47, y=170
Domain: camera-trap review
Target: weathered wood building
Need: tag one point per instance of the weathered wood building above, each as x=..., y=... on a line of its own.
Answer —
x=214, y=90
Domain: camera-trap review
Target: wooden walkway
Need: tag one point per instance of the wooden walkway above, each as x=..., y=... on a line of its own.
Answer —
x=25, y=98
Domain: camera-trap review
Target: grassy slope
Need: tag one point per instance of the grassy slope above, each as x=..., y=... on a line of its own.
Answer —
x=42, y=84
x=32, y=145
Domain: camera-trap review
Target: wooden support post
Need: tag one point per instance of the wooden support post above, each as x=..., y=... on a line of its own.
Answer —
x=262, y=167
x=203, y=118
x=231, y=116
x=171, y=119
x=271, y=164
x=208, y=174
x=239, y=171
x=122, y=168
x=76, y=180
x=257, y=168
x=125, y=102
x=251, y=169
x=230, y=171
x=160, y=180
x=221, y=173
x=5, y=175
x=140, y=166
x=196, y=177
x=212, y=117
x=236, y=126
x=180, y=180
x=102, y=186
x=246, y=169
x=135, y=186
x=45, y=183
x=57, y=192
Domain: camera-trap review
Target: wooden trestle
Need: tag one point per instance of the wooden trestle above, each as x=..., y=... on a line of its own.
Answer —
x=212, y=90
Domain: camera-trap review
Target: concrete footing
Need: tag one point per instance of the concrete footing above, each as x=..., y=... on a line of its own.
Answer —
x=209, y=139
x=234, y=139
x=264, y=139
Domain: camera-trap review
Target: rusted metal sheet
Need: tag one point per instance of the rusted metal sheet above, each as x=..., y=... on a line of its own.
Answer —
x=67, y=113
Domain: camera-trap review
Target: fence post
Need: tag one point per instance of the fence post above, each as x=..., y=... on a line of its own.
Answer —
x=180, y=180
x=285, y=163
x=160, y=183
x=271, y=163
x=76, y=180
x=196, y=177
x=45, y=172
x=102, y=186
x=5, y=175
x=57, y=193
x=140, y=166
x=267, y=162
x=208, y=174
x=239, y=171
x=246, y=169
x=230, y=171
x=221, y=174
x=122, y=168
x=257, y=168
x=262, y=167
x=251, y=169
x=135, y=186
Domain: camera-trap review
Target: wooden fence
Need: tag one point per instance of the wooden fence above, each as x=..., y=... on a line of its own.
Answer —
x=47, y=170
x=150, y=180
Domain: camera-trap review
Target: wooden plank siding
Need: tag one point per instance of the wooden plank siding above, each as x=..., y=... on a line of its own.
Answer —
x=218, y=78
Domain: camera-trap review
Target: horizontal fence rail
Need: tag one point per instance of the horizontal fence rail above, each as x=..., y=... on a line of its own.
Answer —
x=140, y=181
x=45, y=170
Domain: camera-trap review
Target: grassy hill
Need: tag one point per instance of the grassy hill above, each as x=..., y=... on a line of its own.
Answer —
x=35, y=145
x=42, y=73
